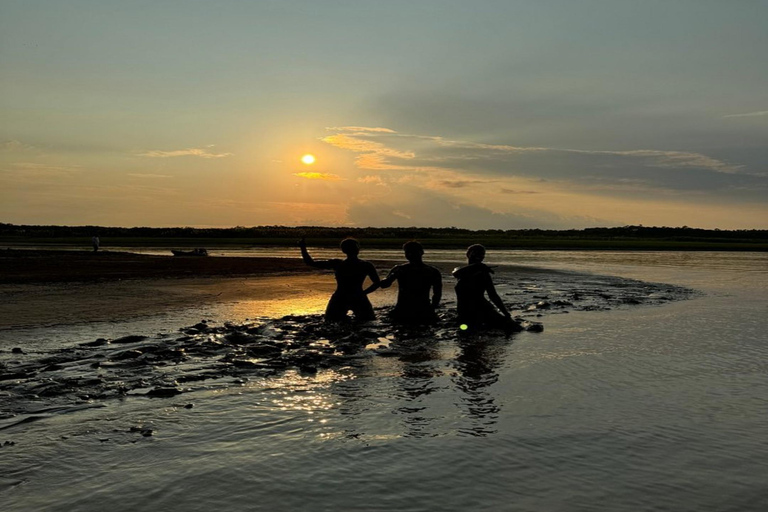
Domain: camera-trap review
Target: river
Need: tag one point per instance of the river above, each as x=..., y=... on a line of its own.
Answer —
x=658, y=406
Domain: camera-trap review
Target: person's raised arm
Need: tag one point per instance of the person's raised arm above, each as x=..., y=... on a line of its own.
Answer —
x=495, y=298
x=308, y=259
x=305, y=254
x=437, y=289
x=374, y=277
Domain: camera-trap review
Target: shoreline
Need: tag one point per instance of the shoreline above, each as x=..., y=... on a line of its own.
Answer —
x=20, y=266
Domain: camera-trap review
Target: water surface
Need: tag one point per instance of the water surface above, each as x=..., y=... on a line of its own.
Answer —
x=640, y=407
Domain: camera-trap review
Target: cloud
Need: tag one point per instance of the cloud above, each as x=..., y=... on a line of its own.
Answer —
x=374, y=155
x=413, y=206
x=750, y=114
x=15, y=146
x=360, y=145
x=460, y=183
x=37, y=169
x=359, y=129
x=146, y=175
x=448, y=162
x=505, y=190
x=318, y=176
x=37, y=173
x=376, y=180
x=653, y=157
x=198, y=152
x=672, y=159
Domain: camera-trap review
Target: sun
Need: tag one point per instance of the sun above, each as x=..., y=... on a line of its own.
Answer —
x=308, y=159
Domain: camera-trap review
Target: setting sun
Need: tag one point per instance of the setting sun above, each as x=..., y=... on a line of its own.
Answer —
x=308, y=159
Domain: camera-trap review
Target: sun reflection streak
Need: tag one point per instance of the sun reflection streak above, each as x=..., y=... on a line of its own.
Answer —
x=308, y=394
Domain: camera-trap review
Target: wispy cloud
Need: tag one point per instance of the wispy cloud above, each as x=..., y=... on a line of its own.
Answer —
x=673, y=159
x=750, y=114
x=15, y=146
x=389, y=150
x=460, y=183
x=198, y=152
x=359, y=129
x=656, y=158
x=30, y=172
x=505, y=190
x=375, y=180
x=374, y=155
x=319, y=176
x=147, y=175
x=38, y=168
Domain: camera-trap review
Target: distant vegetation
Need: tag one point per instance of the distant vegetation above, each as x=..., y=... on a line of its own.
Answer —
x=626, y=237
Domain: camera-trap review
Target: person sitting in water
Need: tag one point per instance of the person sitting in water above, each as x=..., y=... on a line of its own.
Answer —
x=350, y=275
x=414, y=281
x=474, y=281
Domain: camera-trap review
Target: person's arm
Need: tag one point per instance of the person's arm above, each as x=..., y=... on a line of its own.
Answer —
x=495, y=298
x=437, y=289
x=308, y=259
x=387, y=281
x=374, y=277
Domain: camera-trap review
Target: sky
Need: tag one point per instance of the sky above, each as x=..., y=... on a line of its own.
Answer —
x=546, y=114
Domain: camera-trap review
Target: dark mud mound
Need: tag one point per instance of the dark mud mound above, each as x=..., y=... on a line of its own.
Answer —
x=165, y=366
x=549, y=292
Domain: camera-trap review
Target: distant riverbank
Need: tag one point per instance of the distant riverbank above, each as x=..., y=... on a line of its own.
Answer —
x=636, y=238
x=553, y=244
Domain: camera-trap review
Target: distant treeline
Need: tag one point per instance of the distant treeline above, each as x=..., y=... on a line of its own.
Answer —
x=672, y=234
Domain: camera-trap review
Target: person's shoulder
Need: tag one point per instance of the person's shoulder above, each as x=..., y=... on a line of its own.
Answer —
x=485, y=269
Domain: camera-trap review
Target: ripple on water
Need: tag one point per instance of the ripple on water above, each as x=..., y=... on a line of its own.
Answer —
x=662, y=415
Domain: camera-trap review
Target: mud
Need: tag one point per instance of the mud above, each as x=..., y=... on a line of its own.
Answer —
x=36, y=384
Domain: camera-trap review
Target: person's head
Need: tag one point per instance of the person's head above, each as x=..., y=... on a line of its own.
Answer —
x=475, y=253
x=413, y=251
x=350, y=247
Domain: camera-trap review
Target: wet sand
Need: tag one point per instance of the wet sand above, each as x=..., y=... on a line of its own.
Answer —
x=57, y=287
x=40, y=304
x=19, y=266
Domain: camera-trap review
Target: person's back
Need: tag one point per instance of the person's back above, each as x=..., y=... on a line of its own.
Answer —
x=474, y=281
x=350, y=274
x=415, y=279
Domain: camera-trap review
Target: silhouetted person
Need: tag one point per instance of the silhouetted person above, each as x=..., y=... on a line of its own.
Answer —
x=95, y=242
x=474, y=281
x=350, y=274
x=414, y=281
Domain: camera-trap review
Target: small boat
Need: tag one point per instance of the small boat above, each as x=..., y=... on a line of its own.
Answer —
x=194, y=252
